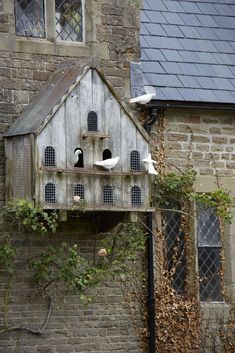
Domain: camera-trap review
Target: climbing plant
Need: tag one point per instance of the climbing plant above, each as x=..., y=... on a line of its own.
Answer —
x=62, y=265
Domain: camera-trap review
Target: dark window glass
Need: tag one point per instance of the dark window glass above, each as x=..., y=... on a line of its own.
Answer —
x=69, y=20
x=92, y=124
x=30, y=18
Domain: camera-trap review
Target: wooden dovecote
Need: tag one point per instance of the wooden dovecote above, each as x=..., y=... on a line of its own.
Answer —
x=75, y=121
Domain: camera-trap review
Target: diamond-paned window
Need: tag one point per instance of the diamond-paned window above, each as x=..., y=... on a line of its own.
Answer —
x=69, y=20
x=79, y=190
x=108, y=195
x=209, y=255
x=30, y=18
x=92, y=123
x=49, y=157
x=135, y=160
x=50, y=196
x=136, y=196
x=175, y=250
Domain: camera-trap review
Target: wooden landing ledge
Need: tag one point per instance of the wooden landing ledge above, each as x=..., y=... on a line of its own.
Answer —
x=97, y=208
x=91, y=172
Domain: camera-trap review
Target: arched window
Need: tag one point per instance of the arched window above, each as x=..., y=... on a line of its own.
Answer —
x=49, y=157
x=92, y=123
x=108, y=195
x=136, y=196
x=79, y=190
x=69, y=20
x=107, y=154
x=78, y=158
x=135, y=160
x=50, y=193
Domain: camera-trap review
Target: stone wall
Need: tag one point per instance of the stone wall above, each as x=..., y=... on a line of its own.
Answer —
x=25, y=65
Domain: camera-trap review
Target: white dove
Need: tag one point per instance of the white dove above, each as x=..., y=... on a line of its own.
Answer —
x=77, y=152
x=108, y=163
x=148, y=163
x=144, y=99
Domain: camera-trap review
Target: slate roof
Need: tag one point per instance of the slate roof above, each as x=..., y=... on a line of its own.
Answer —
x=188, y=49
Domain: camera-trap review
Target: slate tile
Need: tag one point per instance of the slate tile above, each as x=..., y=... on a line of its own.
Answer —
x=190, y=20
x=223, y=47
x=190, y=32
x=143, y=42
x=189, y=81
x=155, y=17
x=225, y=34
x=224, y=83
x=154, y=54
x=190, y=56
x=173, y=31
x=171, y=93
x=156, y=5
x=189, y=44
x=144, y=30
x=225, y=59
x=206, y=45
x=206, y=82
x=160, y=94
x=171, y=68
x=189, y=69
x=223, y=9
x=173, y=18
x=206, y=58
x=206, y=95
x=190, y=7
x=189, y=94
x=207, y=9
x=224, y=96
x=207, y=21
x=171, y=55
x=207, y=33
x=143, y=17
x=173, y=6
x=152, y=66
x=163, y=42
x=225, y=21
x=168, y=81
x=155, y=29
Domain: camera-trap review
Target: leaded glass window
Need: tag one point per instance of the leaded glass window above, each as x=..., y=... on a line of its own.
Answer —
x=69, y=20
x=30, y=18
x=209, y=255
x=175, y=250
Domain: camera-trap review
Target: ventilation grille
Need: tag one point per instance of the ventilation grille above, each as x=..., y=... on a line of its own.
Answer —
x=49, y=157
x=108, y=195
x=79, y=190
x=136, y=196
x=135, y=161
x=50, y=193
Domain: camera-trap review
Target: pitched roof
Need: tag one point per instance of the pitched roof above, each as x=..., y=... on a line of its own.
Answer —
x=52, y=95
x=188, y=49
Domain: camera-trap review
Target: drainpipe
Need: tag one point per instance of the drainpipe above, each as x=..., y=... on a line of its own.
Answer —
x=152, y=119
x=151, y=300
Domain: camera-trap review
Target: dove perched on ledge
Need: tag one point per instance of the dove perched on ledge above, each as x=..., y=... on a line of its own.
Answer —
x=108, y=163
x=144, y=99
x=148, y=163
